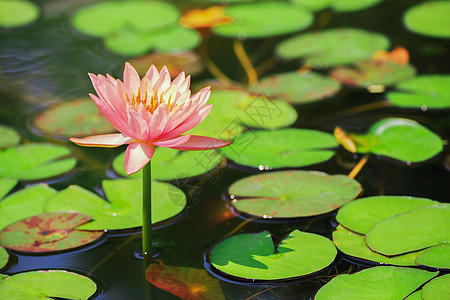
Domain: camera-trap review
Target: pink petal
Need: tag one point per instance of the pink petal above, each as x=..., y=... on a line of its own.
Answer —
x=197, y=142
x=138, y=125
x=189, y=122
x=104, y=140
x=180, y=78
x=152, y=74
x=158, y=121
x=131, y=78
x=163, y=82
x=137, y=156
x=173, y=142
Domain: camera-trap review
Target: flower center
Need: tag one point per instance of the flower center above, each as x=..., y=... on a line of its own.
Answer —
x=152, y=103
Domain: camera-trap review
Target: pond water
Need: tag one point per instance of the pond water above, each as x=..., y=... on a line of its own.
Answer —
x=47, y=61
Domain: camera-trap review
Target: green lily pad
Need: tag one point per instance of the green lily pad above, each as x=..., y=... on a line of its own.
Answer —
x=298, y=88
x=291, y=194
x=15, y=13
x=401, y=139
x=256, y=20
x=4, y=257
x=429, y=18
x=78, y=117
x=437, y=288
x=332, y=47
x=255, y=257
x=424, y=92
x=48, y=232
x=234, y=110
x=363, y=214
x=412, y=230
x=124, y=207
x=313, y=5
x=281, y=148
x=375, y=283
x=6, y=185
x=415, y=296
x=35, y=161
x=435, y=257
x=373, y=72
x=354, y=245
x=337, y=5
x=8, y=136
x=169, y=164
x=46, y=284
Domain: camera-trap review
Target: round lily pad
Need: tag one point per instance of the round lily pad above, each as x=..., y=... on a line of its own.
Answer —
x=437, y=288
x=78, y=117
x=255, y=257
x=429, y=18
x=4, y=257
x=169, y=164
x=124, y=207
x=412, y=230
x=48, y=232
x=354, y=245
x=424, y=92
x=332, y=47
x=281, y=148
x=401, y=139
x=337, y=5
x=15, y=13
x=256, y=20
x=298, y=88
x=8, y=136
x=35, y=161
x=363, y=214
x=6, y=185
x=375, y=283
x=46, y=285
x=291, y=194
x=436, y=257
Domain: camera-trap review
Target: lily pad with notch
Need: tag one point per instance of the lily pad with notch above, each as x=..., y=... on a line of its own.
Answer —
x=292, y=194
x=8, y=137
x=435, y=257
x=253, y=256
x=429, y=18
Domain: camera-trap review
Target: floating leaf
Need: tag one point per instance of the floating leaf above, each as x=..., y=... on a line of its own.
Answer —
x=415, y=296
x=46, y=284
x=15, y=13
x=6, y=185
x=169, y=164
x=332, y=47
x=48, y=232
x=337, y=5
x=290, y=194
x=281, y=148
x=35, y=161
x=4, y=257
x=8, y=136
x=435, y=257
x=255, y=257
x=184, y=282
x=363, y=214
x=429, y=18
x=78, y=117
x=437, y=288
x=298, y=88
x=313, y=5
x=124, y=207
x=256, y=20
x=424, y=92
x=413, y=230
x=375, y=283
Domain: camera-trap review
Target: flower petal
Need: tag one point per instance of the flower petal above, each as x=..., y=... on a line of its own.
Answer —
x=158, y=121
x=173, y=142
x=131, y=78
x=104, y=140
x=137, y=156
x=197, y=142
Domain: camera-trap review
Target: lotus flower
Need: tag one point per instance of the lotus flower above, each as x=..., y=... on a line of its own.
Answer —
x=150, y=112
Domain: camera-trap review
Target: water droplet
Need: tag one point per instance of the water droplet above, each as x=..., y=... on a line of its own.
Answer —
x=424, y=108
x=261, y=167
x=408, y=163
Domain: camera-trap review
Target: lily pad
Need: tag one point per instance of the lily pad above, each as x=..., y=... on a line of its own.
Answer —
x=184, y=282
x=8, y=136
x=429, y=18
x=424, y=92
x=6, y=185
x=375, y=283
x=412, y=230
x=401, y=139
x=169, y=164
x=78, y=117
x=4, y=257
x=298, y=88
x=15, y=13
x=256, y=20
x=281, y=148
x=363, y=214
x=255, y=257
x=437, y=288
x=435, y=257
x=337, y=5
x=291, y=194
x=124, y=207
x=354, y=245
x=48, y=232
x=35, y=161
x=415, y=296
x=45, y=285
x=332, y=47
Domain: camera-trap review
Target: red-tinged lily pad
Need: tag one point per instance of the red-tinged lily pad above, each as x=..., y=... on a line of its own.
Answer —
x=6, y=185
x=292, y=194
x=4, y=257
x=78, y=117
x=48, y=232
x=46, y=285
x=184, y=282
x=15, y=13
x=8, y=137
x=297, y=88
x=435, y=257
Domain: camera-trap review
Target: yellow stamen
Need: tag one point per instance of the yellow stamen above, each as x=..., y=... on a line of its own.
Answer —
x=150, y=104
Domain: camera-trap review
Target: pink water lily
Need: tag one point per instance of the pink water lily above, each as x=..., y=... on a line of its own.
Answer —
x=154, y=111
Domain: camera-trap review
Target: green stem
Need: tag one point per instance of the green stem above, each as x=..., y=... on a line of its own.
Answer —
x=147, y=212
